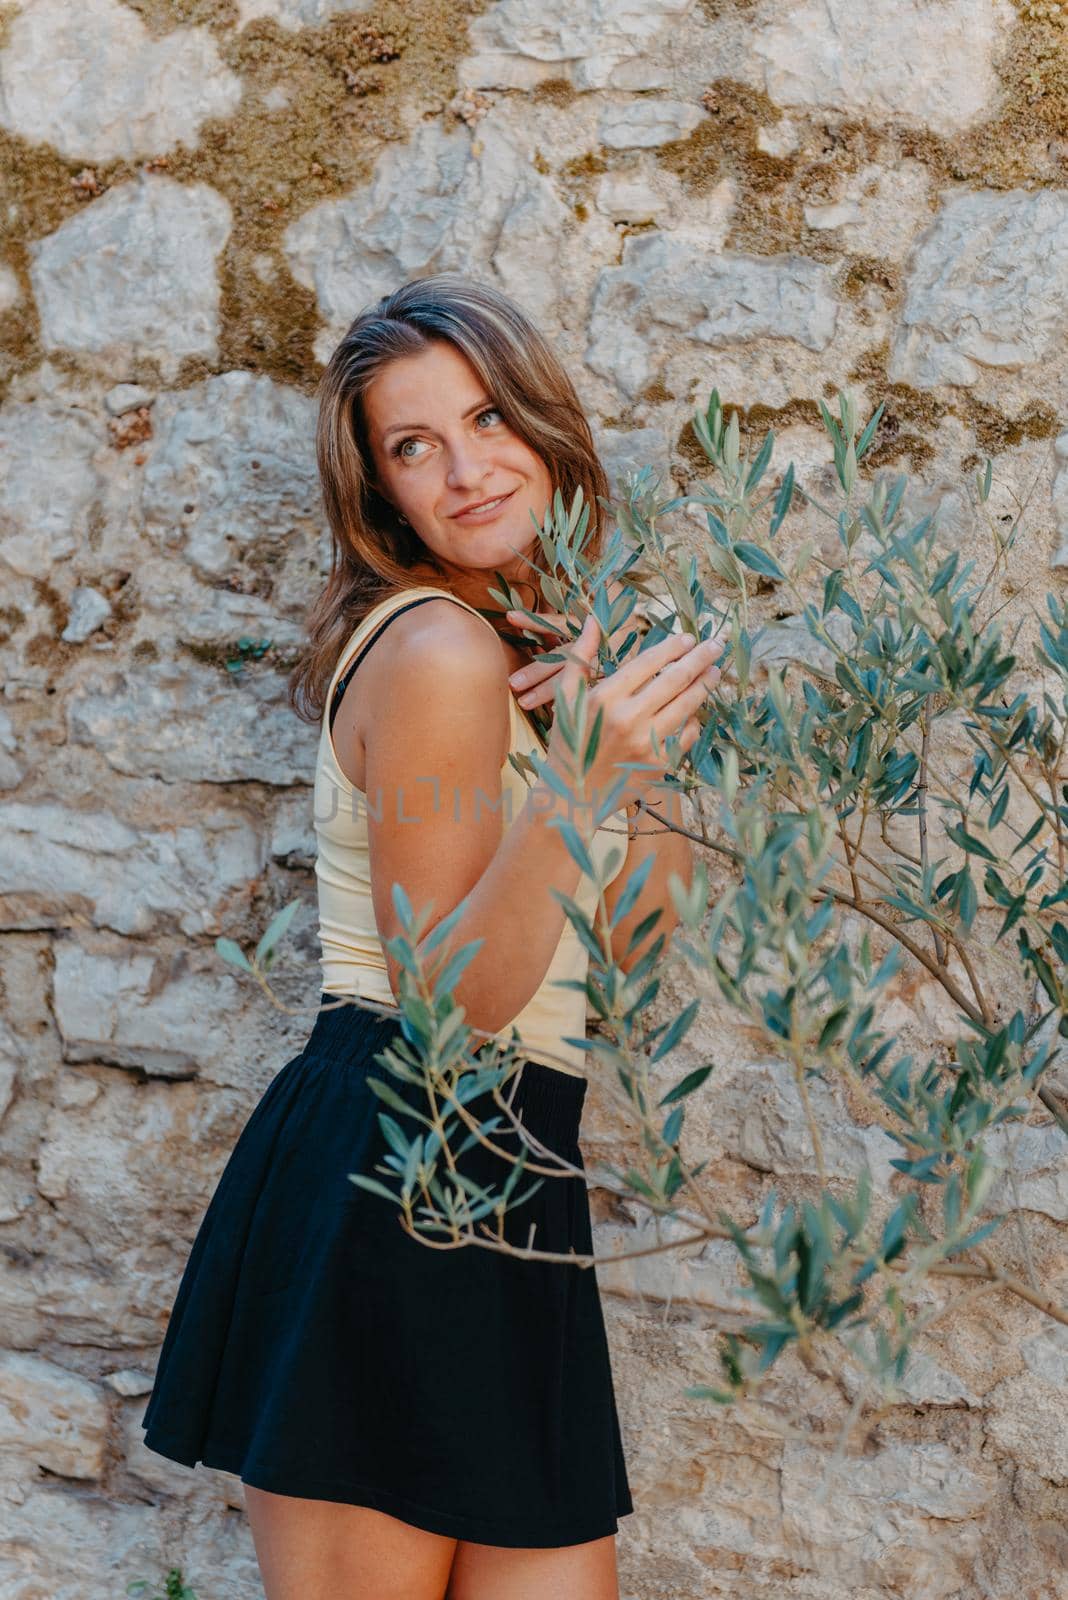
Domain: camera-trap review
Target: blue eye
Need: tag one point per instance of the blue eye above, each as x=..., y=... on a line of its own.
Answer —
x=399, y=449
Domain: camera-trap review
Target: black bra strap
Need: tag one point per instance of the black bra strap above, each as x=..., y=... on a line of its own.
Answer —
x=343, y=682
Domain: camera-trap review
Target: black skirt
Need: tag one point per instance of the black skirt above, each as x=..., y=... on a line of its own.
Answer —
x=315, y=1349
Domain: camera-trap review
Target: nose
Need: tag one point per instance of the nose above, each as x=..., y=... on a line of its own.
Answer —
x=467, y=464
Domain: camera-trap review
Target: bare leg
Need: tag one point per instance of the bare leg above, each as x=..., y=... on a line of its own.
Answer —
x=323, y=1550
x=573, y=1572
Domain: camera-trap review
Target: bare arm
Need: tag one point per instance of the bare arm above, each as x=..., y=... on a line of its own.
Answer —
x=433, y=757
x=671, y=853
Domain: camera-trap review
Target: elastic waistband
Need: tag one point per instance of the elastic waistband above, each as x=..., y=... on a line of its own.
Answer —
x=345, y=1028
x=551, y=1101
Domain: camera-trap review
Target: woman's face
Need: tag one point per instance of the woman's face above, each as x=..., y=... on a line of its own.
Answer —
x=440, y=448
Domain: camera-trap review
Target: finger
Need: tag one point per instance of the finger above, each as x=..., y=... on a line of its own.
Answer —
x=536, y=671
x=535, y=684
x=550, y=622
x=533, y=673
x=580, y=655
x=643, y=669
x=680, y=710
x=541, y=691
x=678, y=676
x=543, y=695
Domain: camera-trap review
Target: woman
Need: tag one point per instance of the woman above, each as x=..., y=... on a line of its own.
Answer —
x=413, y=1422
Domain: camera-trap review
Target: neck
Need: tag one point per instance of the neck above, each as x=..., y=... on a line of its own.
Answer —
x=474, y=587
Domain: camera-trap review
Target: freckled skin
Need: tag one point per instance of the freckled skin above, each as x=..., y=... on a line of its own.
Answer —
x=433, y=471
x=310, y=1549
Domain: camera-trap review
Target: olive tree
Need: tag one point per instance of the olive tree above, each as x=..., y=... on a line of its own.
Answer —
x=883, y=796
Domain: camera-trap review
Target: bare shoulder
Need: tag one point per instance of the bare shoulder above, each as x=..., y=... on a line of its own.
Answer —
x=439, y=671
x=436, y=744
x=438, y=637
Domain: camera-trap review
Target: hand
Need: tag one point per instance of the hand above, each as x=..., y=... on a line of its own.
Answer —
x=656, y=692
x=535, y=683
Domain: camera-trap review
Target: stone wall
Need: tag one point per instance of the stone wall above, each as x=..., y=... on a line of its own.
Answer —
x=776, y=198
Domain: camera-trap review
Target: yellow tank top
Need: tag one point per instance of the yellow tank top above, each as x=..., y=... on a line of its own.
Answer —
x=352, y=960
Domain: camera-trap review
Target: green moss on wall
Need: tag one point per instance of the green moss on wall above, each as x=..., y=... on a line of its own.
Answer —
x=1024, y=141
x=864, y=272
x=557, y=91
x=8, y=12
x=1019, y=143
x=657, y=393
x=163, y=16
x=588, y=165
x=345, y=89
x=714, y=9
x=995, y=432
x=896, y=437
x=912, y=417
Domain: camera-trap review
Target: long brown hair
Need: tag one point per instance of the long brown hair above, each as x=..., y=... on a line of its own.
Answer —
x=373, y=550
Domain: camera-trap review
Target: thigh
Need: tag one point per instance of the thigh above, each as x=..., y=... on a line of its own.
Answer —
x=573, y=1572
x=320, y=1550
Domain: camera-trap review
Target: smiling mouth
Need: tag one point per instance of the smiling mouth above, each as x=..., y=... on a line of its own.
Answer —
x=486, y=507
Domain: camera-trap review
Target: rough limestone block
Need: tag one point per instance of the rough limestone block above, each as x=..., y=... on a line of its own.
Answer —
x=1060, y=500
x=188, y=723
x=231, y=467
x=92, y=81
x=296, y=14
x=443, y=202
x=1026, y=1419
x=58, y=863
x=875, y=1524
x=600, y=44
x=50, y=1416
x=105, y=280
x=987, y=288
x=88, y=609
x=672, y=287
x=644, y=124
x=45, y=441
x=757, y=1117
x=921, y=63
